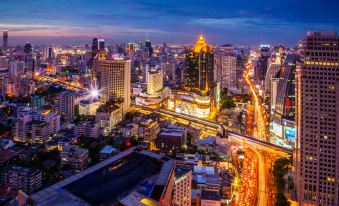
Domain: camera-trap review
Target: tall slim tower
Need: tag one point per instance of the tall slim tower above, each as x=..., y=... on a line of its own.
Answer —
x=199, y=67
x=95, y=48
x=115, y=80
x=5, y=40
x=317, y=103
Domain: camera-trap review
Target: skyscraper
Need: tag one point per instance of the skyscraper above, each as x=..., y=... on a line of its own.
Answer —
x=47, y=52
x=283, y=109
x=149, y=46
x=95, y=48
x=101, y=44
x=5, y=40
x=115, y=80
x=199, y=69
x=28, y=48
x=225, y=62
x=317, y=147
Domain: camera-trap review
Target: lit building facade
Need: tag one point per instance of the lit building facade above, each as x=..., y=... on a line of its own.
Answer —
x=154, y=79
x=109, y=119
x=199, y=94
x=88, y=107
x=182, y=190
x=28, y=180
x=65, y=105
x=317, y=102
x=74, y=156
x=199, y=68
x=190, y=103
x=115, y=80
x=283, y=109
x=156, y=94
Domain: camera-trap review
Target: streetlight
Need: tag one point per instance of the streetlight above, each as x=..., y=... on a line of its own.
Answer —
x=94, y=93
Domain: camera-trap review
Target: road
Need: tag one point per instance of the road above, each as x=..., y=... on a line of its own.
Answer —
x=216, y=127
x=262, y=184
x=70, y=86
x=261, y=127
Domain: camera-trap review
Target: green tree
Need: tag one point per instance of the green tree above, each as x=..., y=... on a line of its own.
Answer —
x=227, y=104
x=280, y=168
x=281, y=200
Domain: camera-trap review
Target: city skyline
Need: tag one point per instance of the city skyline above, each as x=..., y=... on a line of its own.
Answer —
x=241, y=22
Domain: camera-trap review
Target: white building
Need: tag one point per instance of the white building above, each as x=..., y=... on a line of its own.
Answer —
x=154, y=80
x=65, y=105
x=182, y=190
x=109, y=119
x=88, y=107
x=87, y=129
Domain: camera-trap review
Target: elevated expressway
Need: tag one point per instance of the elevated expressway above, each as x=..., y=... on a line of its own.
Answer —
x=226, y=132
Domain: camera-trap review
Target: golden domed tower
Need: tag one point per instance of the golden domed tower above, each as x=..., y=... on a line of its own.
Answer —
x=201, y=44
x=199, y=67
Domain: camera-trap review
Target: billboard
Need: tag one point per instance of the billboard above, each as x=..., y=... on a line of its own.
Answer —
x=290, y=133
x=277, y=129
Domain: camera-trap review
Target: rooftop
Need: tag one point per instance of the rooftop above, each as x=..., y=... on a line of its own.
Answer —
x=204, y=169
x=108, y=150
x=111, y=180
x=210, y=195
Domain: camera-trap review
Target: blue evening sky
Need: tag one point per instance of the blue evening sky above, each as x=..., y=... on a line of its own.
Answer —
x=245, y=22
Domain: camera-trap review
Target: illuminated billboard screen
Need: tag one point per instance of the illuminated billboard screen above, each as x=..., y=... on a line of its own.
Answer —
x=277, y=129
x=290, y=133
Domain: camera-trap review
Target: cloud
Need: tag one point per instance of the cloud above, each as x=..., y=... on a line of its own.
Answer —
x=258, y=23
x=53, y=30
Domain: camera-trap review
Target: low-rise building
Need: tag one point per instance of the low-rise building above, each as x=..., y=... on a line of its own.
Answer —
x=28, y=180
x=210, y=198
x=149, y=127
x=74, y=156
x=87, y=129
x=107, y=152
x=108, y=119
x=66, y=141
x=171, y=138
x=130, y=130
x=88, y=107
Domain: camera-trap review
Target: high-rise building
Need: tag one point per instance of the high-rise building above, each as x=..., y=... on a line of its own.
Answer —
x=149, y=46
x=47, y=52
x=199, y=69
x=115, y=80
x=225, y=66
x=154, y=79
x=5, y=40
x=25, y=179
x=28, y=48
x=228, y=71
x=169, y=72
x=182, y=190
x=284, y=100
x=261, y=67
x=65, y=105
x=317, y=103
x=3, y=75
x=95, y=48
x=101, y=44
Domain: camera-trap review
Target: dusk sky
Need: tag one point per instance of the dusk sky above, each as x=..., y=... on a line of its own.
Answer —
x=245, y=22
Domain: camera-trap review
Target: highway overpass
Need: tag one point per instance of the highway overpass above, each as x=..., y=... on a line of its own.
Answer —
x=222, y=129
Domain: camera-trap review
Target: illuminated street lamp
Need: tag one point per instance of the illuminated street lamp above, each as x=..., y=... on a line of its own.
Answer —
x=94, y=93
